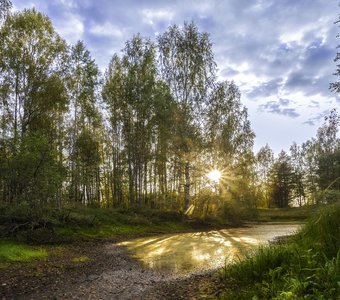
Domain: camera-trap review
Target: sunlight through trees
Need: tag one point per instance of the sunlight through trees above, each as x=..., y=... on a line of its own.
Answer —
x=144, y=133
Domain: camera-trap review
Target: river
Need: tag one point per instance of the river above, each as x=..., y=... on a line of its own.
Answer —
x=200, y=251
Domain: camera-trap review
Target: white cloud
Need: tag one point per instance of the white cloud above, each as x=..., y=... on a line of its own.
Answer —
x=70, y=27
x=271, y=49
x=69, y=3
x=107, y=29
x=20, y=6
x=151, y=16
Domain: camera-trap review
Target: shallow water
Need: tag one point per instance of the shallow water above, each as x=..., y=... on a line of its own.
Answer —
x=200, y=251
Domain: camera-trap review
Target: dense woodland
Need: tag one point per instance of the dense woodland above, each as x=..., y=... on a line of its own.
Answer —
x=145, y=133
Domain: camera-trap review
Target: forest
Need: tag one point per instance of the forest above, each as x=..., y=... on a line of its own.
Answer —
x=145, y=133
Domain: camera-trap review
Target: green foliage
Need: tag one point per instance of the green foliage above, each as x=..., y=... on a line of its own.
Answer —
x=164, y=122
x=87, y=149
x=281, y=181
x=335, y=86
x=307, y=267
x=327, y=196
x=209, y=206
x=59, y=226
x=288, y=214
x=33, y=101
x=38, y=173
x=31, y=225
x=322, y=232
x=187, y=66
x=110, y=223
x=5, y=6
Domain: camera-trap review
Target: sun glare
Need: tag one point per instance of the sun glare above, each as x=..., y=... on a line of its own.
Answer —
x=214, y=175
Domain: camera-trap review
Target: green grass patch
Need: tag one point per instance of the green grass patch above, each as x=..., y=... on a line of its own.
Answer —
x=81, y=259
x=306, y=267
x=14, y=252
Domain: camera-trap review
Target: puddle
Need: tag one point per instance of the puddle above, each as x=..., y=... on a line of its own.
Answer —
x=199, y=251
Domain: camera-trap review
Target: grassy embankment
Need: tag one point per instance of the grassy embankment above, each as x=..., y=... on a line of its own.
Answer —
x=307, y=266
x=291, y=214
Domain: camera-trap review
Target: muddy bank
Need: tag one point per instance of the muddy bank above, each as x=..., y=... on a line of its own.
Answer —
x=168, y=266
x=110, y=273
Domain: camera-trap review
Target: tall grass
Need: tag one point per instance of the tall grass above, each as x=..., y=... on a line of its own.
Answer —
x=306, y=267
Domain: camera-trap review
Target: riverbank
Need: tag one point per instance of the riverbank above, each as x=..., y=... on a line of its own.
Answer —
x=81, y=259
x=100, y=270
x=168, y=266
x=65, y=254
x=109, y=273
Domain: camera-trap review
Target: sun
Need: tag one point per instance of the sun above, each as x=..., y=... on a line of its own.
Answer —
x=214, y=175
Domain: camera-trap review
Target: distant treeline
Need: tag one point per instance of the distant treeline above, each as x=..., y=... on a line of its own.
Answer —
x=145, y=133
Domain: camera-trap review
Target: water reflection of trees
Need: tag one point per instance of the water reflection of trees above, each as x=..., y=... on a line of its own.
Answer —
x=199, y=250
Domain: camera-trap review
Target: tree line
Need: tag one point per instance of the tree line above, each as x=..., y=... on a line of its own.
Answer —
x=308, y=174
x=143, y=134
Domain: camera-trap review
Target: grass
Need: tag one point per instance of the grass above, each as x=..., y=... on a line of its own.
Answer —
x=306, y=267
x=15, y=252
x=119, y=230
x=106, y=223
x=290, y=214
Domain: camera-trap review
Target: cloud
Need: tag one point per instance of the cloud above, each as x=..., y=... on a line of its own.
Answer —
x=277, y=50
x=70, y=27
x=275, y=107
x=285, y=102
x=152, y=16
x=314, y=104
x=317, y=118
x=266, y=89
x=106, y=29
x=67, y=3
x=228, y=72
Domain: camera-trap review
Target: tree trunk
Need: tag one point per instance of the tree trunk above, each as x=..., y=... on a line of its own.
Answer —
x=187, y=186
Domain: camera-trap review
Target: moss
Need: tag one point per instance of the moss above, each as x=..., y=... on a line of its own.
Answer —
x=11, y=251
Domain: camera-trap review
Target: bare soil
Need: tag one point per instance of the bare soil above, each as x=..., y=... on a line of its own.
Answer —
x=101, y=270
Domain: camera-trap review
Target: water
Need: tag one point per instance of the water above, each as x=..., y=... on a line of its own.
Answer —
x=199, y=251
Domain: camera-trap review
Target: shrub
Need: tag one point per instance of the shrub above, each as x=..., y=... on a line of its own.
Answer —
x=306, y=267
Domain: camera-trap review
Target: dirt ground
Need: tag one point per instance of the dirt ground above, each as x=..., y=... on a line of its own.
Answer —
x=101, y=270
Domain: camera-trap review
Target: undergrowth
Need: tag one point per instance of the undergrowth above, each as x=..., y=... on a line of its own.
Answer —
x=305, y=267
x=52, y=226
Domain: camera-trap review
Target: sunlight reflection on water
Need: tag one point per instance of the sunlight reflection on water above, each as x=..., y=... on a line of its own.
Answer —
x=187, y=252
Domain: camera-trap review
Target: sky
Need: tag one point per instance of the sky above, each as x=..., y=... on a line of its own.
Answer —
x=280, y=53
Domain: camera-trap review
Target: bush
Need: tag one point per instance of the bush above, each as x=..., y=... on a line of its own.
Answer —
x=306, y=267
x=328, y=196
x=322, y=232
